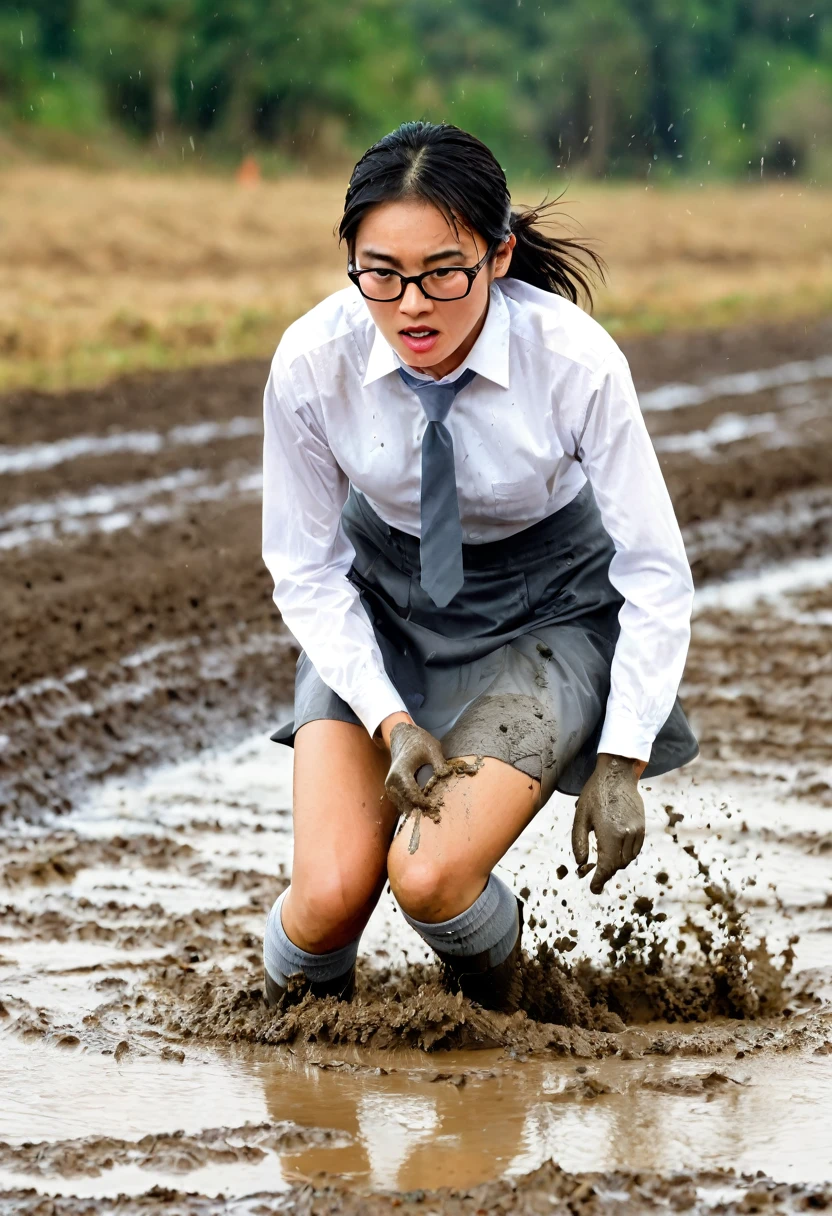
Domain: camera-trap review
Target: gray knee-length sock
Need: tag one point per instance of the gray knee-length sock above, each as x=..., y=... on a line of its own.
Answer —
x=489, y=926
x=283, y=959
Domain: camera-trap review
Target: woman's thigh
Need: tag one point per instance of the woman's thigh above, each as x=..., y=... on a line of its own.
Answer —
x=544, y=705
x=343, y=824
x=481, y=817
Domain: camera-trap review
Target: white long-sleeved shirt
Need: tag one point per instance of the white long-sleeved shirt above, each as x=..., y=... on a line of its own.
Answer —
x=552, y=405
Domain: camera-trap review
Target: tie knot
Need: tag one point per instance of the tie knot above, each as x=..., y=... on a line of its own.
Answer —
x=436, y=399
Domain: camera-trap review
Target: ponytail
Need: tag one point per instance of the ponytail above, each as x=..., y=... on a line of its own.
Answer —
x=556, y=264
x=452, y=169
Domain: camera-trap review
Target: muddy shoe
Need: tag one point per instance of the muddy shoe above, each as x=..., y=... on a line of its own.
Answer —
x=499, y=988
x=342, y=987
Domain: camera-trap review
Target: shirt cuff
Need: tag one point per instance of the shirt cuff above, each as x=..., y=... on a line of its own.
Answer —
x=375, y=700
x=626, y=736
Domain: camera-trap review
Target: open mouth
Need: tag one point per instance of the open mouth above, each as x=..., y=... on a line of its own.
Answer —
x=419, y=337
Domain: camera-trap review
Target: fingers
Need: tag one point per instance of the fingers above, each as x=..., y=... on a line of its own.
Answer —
x=404, y=792
x=603, y=873
x=424, y=775
x=632, y=846
x=580, y=833
x=434, y=754
x=610, y=849
x=615, y=855
x=440, y=771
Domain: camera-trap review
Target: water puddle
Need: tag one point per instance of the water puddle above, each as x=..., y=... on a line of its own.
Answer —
x=111, y=510
x=740, y=593
x=738, y=531
x=740, y=384
x=52, y=701
x=410, y=1123
x=38, y=456
x=729, y=429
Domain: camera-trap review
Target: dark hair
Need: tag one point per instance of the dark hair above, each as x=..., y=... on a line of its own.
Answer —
x=456, y=172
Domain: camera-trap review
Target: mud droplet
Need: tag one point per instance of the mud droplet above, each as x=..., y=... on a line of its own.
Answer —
x=633, y=1044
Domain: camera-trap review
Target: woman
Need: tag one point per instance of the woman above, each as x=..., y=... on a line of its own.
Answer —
x=472, y=541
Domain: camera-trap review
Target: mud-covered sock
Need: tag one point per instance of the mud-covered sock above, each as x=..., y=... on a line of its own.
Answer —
x=283, y=959
x=490, y=926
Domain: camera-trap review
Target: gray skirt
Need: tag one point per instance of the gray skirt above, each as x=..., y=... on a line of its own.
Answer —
x=517, y=666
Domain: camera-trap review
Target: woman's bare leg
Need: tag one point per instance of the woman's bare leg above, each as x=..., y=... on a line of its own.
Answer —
x=343, y=825
x=481, y=817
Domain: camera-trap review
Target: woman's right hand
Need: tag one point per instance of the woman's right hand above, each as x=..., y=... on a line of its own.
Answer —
x=411, y=748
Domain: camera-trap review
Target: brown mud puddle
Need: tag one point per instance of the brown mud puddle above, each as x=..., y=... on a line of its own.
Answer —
x=401, y=1122
x=134, y=1043
x=665, y=1049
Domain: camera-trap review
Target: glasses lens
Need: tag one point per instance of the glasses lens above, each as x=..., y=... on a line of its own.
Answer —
x=380, y=284
x=446, y=284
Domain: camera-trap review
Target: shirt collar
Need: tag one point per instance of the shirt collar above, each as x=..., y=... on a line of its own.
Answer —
x=488, y=356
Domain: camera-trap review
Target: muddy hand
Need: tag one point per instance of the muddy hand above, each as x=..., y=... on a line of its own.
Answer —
x=410, y=749
x=611, y=807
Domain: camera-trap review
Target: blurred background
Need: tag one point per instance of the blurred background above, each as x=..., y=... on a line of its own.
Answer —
x=613, y=88
x=158, y=158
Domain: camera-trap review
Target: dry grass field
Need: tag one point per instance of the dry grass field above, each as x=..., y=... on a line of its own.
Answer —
x=106, y=272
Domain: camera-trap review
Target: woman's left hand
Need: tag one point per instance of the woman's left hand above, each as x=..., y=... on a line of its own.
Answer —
x=611, y=807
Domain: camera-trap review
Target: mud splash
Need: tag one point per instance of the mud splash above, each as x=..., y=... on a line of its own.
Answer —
x=650, y=976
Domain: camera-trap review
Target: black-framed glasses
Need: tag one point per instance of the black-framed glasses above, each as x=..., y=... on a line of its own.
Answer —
x=444, y=283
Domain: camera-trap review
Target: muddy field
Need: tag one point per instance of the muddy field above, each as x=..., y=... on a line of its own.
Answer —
x=675, y=1051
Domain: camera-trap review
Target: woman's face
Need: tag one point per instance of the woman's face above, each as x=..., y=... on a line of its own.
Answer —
x=411, y=236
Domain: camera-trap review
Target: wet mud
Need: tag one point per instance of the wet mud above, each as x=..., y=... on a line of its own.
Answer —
x=653, y=971
x=549, y=1189
x=147, y=830
x=173, y=1152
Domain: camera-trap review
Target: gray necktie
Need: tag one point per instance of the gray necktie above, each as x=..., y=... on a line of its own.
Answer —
x=440, y=548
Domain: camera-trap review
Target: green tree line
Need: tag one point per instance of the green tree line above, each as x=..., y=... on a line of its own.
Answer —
x=739, y=88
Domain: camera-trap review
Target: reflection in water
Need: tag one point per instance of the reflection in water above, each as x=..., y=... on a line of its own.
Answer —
x=412, y=1132
x=399, y=1129
x=409, y=1130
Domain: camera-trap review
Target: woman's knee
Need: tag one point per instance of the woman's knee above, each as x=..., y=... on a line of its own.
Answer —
x=326, y=913
x=424, y=887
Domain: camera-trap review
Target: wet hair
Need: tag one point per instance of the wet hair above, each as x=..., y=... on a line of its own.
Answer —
x=452, y=169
